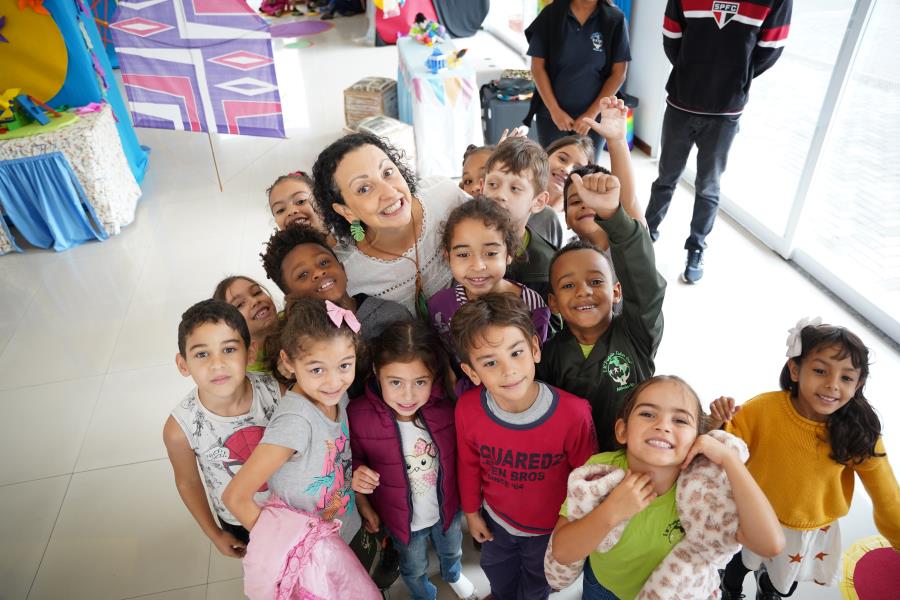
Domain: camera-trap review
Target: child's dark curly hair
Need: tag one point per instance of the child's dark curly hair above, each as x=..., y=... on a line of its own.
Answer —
x=327, y=191
x=282, y=242
x=853, y=429
x=487, y=212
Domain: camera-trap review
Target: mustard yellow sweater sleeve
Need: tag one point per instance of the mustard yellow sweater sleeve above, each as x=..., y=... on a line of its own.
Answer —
x=878, y=479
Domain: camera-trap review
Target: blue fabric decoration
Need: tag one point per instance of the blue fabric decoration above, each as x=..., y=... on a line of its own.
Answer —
x=82, y=86
x=43, y=199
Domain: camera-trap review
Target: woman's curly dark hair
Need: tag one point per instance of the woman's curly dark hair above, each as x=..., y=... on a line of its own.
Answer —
x=854, y=428
x=326, y=188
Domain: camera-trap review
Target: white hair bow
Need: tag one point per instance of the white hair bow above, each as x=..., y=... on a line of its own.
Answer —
x=794, y=343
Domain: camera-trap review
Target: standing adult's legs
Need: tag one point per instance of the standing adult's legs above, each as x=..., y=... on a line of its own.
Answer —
x=714, y=140
x=547, y=131
x=677, y=139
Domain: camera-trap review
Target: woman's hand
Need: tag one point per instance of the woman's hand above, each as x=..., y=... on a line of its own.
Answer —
x=562, y=120
x=582, y=123
x=365, y=480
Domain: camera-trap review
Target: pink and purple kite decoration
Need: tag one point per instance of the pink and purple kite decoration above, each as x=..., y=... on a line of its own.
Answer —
x=198, y=65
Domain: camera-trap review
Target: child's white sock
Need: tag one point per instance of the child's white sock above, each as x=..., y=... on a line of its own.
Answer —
x=463, y=587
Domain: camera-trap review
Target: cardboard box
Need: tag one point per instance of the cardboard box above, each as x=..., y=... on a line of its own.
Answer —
x=370, y=97
x=399, y=134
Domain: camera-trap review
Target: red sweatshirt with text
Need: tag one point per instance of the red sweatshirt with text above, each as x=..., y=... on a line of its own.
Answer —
x=521, y=471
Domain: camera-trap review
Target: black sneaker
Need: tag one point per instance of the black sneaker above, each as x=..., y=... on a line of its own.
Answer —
x=728, y=593
x=764, y=588
x=693, y=271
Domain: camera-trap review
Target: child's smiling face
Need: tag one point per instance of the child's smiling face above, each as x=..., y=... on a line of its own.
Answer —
x=312, y=271
x=478, y=257
x=503, y=360
x=661, y=427
x=405, y=387
x=825, y=382
x=562, y=161
x=324, y=370
x=253, y=303
x=291, y=201
x=583, y=292
x=473, y=172
x=515, y=192
x=216, y=359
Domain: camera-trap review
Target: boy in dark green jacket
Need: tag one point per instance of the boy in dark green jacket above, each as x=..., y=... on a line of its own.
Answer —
x=600, y=356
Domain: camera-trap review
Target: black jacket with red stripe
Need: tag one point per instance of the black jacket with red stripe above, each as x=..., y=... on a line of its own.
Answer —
x=718, y=47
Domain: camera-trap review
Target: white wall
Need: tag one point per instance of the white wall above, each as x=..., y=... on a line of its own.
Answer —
x=648, y=71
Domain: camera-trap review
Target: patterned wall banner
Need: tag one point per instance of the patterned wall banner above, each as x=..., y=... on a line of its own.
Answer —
x=198, y=65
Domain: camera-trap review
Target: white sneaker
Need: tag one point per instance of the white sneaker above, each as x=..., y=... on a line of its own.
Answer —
x=464, y=588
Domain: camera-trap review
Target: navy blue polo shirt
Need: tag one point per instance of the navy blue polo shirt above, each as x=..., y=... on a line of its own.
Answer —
x=585, y=61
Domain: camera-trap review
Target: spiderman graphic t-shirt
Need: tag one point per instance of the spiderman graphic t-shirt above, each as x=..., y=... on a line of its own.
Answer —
x=316, y=478
x=422, y=464
x=223, y=444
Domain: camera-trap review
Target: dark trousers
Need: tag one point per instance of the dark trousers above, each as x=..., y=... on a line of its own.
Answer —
x=548, y=133
x=514, y=565
x=713, y=136
x=735, y=572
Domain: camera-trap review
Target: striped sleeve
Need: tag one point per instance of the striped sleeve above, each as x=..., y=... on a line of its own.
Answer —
x=773, y=34
x=673, y=29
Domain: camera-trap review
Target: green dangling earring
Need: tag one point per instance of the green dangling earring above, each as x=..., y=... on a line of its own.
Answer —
x=357, y=231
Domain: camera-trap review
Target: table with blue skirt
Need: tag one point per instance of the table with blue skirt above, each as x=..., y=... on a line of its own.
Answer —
x=443, y=108
x=66, y=186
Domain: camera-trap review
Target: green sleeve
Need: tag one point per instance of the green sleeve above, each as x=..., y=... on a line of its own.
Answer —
x=643, y=288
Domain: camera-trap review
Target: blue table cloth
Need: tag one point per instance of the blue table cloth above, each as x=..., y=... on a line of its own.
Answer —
x=43, y=199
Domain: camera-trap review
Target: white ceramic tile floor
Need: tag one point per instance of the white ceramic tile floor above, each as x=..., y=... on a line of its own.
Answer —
x=88, y=507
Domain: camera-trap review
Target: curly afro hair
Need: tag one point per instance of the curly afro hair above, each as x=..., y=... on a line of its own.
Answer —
x=326, y=190
x=282, y=242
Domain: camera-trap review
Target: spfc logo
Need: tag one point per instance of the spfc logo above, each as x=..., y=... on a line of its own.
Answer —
x=724, y=12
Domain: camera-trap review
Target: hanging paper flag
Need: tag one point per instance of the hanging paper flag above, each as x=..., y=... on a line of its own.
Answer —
x=452, y=87
x=438, y=86
x=198, y=65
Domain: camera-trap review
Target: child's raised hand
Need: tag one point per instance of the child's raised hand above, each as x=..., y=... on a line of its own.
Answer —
x=631, y=496
x=613, y=123
x=478, y=528
x=229, y=545
x=598, y=191
x=365, y=480
x=711, y=448
x=723, y=409
x=520, y=131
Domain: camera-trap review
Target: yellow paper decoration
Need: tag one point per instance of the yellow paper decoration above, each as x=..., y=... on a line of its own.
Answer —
x=35, y=57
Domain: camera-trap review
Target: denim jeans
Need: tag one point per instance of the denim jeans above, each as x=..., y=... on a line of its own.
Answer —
x=414, y=557
x=713, y=136
x=593, y=589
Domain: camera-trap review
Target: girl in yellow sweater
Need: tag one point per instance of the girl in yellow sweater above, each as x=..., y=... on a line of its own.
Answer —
x=806, y=442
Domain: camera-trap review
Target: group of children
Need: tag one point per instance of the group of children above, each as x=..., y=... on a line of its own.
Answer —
x=535, y=361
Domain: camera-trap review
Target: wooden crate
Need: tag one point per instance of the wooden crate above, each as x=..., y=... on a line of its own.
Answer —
x=370, y=97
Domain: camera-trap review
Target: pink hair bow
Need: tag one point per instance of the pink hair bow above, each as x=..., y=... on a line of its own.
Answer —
x=340, y=315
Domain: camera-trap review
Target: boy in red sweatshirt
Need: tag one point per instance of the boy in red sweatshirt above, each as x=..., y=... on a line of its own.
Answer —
x=517, y=441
